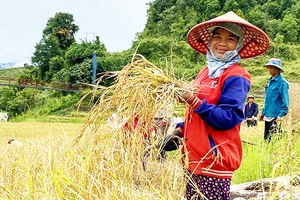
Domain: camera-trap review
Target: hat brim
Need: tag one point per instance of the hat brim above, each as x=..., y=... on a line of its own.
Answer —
x=277, y=66
x=256, y=41
x=212, y=28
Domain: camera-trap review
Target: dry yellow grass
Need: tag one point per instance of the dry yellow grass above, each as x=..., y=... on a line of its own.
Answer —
x=47, y=166
x=26, y=170
x=99, y=167
x=294, y=91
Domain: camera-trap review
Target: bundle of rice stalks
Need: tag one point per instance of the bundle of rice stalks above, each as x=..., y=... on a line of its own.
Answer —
x=140, y=90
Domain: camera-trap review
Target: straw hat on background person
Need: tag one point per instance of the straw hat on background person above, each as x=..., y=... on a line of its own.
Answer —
x=255, y=41
x=250, y=96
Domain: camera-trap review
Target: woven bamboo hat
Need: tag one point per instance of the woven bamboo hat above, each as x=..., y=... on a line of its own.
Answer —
x=255, y=43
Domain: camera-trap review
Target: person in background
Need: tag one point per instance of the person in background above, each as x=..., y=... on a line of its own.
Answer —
x=212, y=147
x=251, y=111
x=176, y=119
x=161, y=124
x=277, y=99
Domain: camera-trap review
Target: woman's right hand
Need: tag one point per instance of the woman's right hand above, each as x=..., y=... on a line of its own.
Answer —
x=172, y=141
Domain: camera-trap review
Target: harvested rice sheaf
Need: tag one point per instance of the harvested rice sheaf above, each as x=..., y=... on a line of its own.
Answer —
x=141, y=90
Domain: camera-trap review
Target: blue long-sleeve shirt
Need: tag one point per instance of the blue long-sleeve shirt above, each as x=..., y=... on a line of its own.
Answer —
x=277, y=98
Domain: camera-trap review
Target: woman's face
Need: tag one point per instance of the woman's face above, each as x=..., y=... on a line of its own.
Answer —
x=222, y=41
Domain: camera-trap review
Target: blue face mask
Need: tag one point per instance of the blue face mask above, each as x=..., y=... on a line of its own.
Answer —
x=216, y=66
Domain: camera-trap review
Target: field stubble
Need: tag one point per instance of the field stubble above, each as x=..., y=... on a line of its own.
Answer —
x=49, y=166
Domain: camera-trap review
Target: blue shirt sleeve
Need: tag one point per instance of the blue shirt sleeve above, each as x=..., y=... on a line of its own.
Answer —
x=229, y=111
x=284, y=91
x=180, y=124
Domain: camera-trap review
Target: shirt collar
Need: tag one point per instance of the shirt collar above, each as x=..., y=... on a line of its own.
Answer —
x=276, y=78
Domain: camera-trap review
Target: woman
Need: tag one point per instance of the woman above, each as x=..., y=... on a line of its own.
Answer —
x=211, y=128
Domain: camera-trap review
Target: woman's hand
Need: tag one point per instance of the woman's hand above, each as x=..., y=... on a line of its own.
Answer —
x=171, y=141
x=185, y=96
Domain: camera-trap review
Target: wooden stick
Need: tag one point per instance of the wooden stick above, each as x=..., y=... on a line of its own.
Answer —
x=247, y=142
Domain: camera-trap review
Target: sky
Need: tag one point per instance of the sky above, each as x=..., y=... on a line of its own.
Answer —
x=116, y=22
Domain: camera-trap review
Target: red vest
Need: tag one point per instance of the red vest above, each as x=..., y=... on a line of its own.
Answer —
x=202, y=156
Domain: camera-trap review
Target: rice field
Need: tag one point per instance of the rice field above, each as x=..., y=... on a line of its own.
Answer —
x=49, y=166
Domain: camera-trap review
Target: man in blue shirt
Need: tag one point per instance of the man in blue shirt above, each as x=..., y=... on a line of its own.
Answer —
x=277, y=98
x=251, y=111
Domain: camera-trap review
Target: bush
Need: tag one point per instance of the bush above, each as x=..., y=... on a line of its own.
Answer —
x=283, y=51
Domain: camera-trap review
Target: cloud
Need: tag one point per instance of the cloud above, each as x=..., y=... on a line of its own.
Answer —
x=116, y=22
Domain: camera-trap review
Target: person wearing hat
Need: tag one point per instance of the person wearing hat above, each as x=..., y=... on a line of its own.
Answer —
x=210, y=133
x=277, y=99
x=176, y=119
x=251, y=111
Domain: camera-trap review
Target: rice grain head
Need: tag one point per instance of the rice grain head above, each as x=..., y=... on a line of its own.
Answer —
x=140, y=90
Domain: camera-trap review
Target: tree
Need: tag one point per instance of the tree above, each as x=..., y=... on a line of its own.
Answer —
x=56, y=64
x=6, y=94
x=23, y=101
x=77, y=53
x=79, y=59
x=290, y=28
x=81, y=72
x=273, y=9
x=257, y=17
x=63, y=28
x=58, y=36
x=46, y=49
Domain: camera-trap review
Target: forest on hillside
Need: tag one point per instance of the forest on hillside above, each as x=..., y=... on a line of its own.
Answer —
x=58, y=57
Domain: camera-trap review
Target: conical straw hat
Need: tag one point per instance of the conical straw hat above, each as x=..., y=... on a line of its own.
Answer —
x=256, y=41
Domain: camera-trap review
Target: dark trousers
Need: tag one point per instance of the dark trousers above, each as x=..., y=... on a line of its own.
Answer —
x=271, y=128
x=251, y=123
